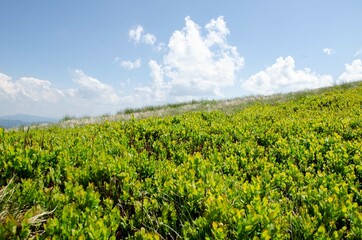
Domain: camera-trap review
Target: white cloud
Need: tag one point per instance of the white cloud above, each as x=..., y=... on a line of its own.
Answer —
x=217, y=32
x=149, y=38
x=156, y=74
x=158, y=90
x=283, y=77
x=28, y=89
x=352, y=73
x=329, y=51
x=135, y=33
x=131, y=65
x=196, y=64
x=30, y=95
x=358, y=52
x=8, y=89
x=93, y=90
x=159, y=47
x=36, y=90
x=39, y=90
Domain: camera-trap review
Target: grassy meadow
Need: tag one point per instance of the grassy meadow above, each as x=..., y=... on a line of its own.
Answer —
x=287, y=166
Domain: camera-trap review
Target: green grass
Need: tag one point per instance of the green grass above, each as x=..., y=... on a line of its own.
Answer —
x=287, y=166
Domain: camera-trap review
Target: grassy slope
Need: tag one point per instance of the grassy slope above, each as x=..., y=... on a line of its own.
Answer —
x=228, y=106
x=285, y=166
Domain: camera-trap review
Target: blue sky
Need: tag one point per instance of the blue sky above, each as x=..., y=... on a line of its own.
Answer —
x=82, y=57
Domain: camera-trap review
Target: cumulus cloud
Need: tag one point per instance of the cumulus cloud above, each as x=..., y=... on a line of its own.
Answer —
x=217, y=32
x=130, y=65
x=353, y=72
x=154, y=93
x=93, y=90
x=136, y=35
x=282, y=76
x=29, y=89
x=197, y=64
x=329, y=51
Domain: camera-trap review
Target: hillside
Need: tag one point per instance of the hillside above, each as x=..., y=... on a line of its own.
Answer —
x=228, y=106
x=278, y=167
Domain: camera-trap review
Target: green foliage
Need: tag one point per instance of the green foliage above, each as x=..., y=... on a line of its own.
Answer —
x=288, y=170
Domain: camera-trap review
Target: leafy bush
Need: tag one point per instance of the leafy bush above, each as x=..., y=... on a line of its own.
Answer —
x=288, y=170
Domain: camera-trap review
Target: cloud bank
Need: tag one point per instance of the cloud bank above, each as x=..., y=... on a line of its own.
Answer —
x=35, y=96
x=283, y=77
x=29, y=89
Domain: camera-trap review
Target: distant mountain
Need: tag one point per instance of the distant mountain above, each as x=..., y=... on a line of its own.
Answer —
x=18, y=120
